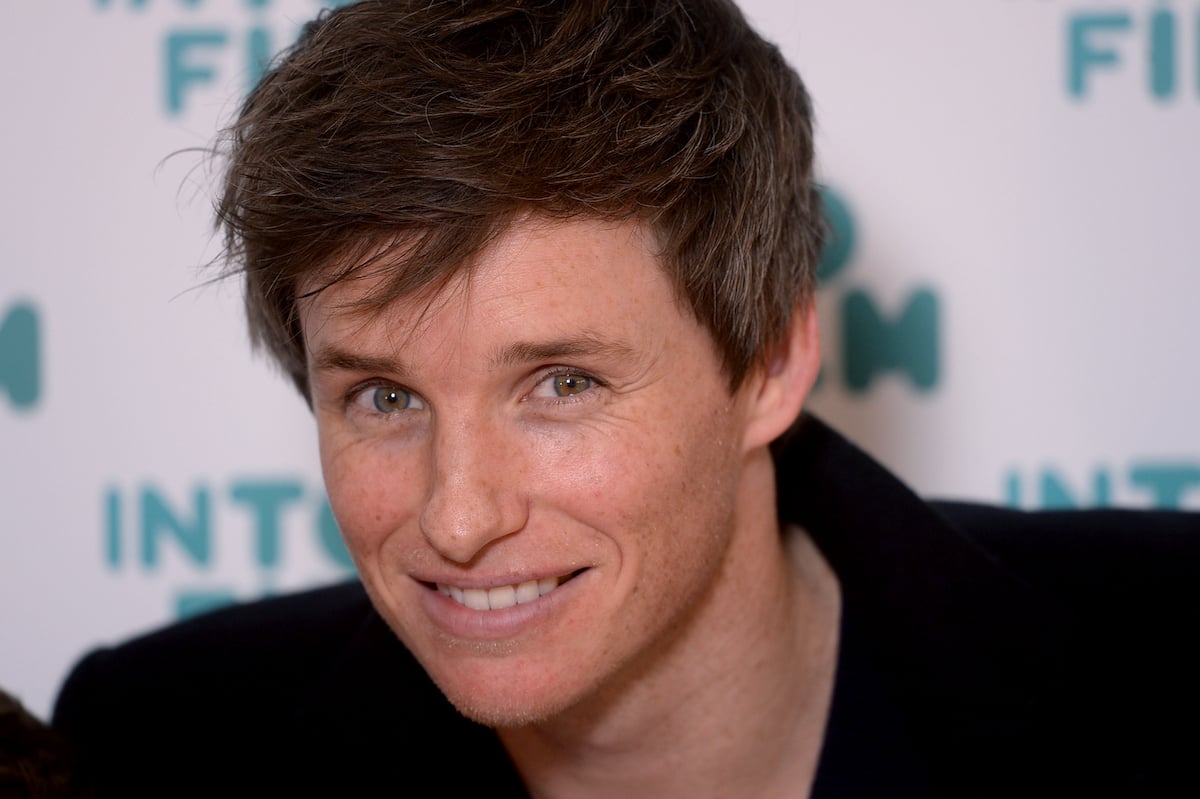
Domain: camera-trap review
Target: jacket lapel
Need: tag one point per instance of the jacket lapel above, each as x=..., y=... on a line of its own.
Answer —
x=973, y=656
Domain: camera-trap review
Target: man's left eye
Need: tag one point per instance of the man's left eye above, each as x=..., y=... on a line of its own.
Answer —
x=570, y=385
x=564, y=384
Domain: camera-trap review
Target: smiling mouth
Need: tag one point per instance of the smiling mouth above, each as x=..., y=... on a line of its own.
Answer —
x=504, y=596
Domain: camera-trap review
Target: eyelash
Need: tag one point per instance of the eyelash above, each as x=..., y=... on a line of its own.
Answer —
x=565, y=371
x=355, y=396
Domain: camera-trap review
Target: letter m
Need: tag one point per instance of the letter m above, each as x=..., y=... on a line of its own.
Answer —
x=873, y=345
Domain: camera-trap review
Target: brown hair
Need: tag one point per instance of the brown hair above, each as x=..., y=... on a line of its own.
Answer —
x=416, y=130
x=36, y=761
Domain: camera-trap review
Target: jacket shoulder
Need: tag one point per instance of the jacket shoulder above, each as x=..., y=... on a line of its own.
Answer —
x=233, y=675
x=231, y=651
x=279, y=693
x=1125, y=554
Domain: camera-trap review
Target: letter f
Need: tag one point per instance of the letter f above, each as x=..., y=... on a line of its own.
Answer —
x=1082, y=54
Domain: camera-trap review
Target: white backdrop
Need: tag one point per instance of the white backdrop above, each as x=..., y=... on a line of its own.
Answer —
x=1008, y=310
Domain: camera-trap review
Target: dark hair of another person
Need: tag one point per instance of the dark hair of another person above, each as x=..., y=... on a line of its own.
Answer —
x=399, y=137
x=35, y=761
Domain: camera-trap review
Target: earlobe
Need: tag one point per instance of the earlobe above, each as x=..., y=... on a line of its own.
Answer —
x=780, y=388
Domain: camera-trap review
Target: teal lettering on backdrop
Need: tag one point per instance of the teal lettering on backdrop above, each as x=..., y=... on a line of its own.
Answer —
x=194, y=58
x=112, y=528
x=1166, y=482
x=1084, y=52
x=266, y=499
x=184, y=65
x=196, y=55
x=1162, y=53
x=189, y=602
x=1163, y=484
x=839, y=243
x=873, y=343
x=1100, y=41
x=20, y=355
x=192, y=532
x=1054, y=493
x=258, y=53
x=154, y=522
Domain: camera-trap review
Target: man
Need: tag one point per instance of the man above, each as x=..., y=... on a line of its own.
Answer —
x=544, y=273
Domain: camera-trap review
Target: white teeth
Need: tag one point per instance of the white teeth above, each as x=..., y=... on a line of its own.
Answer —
x=527, y=592
x=504, y=596
x=475, y=598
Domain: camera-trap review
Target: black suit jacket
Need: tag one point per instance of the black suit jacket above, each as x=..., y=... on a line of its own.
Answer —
x=984, y=652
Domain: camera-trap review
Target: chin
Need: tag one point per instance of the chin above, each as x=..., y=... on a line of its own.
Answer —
x=513, y=695
x=506, y=715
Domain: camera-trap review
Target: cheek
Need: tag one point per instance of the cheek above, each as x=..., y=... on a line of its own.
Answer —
x=601, y=473
x=373, y=492
x=661, y=498
x=695, y=500
x=672, y=523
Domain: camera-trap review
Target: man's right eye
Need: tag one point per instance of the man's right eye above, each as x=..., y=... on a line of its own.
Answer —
x=387, y=399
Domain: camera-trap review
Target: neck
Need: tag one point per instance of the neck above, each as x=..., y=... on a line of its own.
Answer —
x=735, y=705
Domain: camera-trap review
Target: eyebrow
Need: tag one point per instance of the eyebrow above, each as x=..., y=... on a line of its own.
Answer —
x=591, y=344
x=334, y=360
x=518, y=352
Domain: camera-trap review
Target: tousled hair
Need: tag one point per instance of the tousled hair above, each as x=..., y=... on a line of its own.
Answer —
x=399, y=137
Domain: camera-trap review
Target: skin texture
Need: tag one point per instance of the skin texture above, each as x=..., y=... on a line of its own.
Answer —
x=557, y=412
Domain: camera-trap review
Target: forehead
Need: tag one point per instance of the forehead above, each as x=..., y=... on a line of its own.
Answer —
x=533, y=265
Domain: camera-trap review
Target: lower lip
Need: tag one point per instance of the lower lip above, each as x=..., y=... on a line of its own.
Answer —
x=460, y=621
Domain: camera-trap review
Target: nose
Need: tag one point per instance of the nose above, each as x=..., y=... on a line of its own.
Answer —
x=475, y=496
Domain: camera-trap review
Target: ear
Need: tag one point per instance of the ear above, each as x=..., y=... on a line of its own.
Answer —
x=779, y=388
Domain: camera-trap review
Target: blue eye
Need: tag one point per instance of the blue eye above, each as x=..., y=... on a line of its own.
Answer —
x=387, y=399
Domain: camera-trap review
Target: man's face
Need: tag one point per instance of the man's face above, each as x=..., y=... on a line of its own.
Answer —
x=536, y=469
